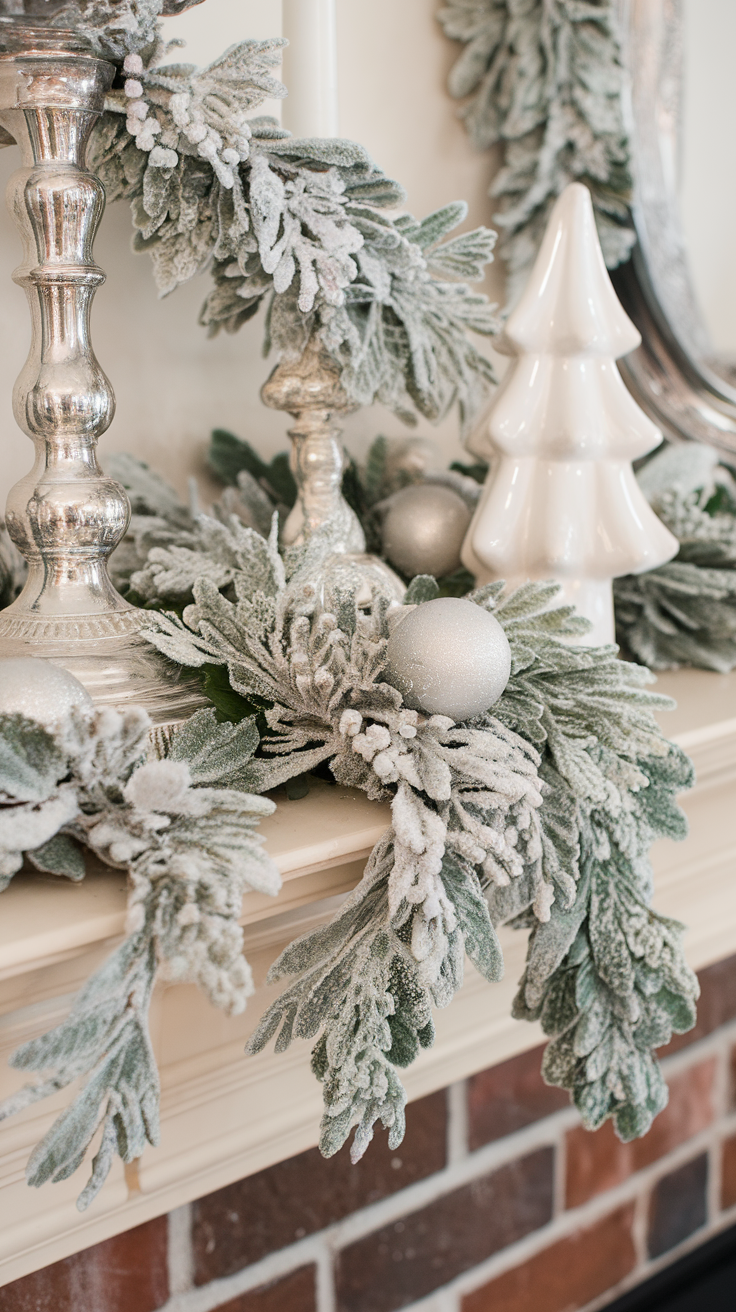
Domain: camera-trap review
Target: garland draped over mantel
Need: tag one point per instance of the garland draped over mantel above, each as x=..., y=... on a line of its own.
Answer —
x=684, y=612
x=538, y=812
x=183, y=828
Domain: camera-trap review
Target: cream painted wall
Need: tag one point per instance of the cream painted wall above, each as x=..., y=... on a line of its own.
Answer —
x=172, y=383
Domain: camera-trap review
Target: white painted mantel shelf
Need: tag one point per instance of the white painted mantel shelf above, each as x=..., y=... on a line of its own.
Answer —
x=225, y=1115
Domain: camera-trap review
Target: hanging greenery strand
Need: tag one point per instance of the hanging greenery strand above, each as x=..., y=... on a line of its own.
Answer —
x=300, y=226
x=183, y=828
x=544, y=80
x=539, y=813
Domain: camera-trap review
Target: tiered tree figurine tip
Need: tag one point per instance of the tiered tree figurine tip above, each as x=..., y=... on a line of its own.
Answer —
x=561, y=500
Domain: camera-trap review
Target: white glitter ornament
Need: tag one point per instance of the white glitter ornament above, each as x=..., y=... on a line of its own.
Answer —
x=423, y=530
x=39, y=690
x=449, y=657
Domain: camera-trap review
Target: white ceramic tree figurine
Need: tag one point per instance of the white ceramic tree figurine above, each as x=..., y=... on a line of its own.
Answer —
x=561, y=500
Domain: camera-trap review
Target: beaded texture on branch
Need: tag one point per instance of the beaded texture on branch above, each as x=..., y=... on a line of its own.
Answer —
x=299, y=224
x=544, y=79
x=606, y=975
x=184, y=830
x=465, y=801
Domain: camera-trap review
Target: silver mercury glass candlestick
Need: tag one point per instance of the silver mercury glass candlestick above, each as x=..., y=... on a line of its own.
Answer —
x=65, y=516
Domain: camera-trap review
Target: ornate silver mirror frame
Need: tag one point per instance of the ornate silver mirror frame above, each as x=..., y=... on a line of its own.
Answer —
x=670, y=374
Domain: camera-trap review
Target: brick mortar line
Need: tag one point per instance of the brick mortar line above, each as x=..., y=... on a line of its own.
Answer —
x=546, y=1133
x=559, y=1180
x=179, y=1249
x=320, y=1249
x=457, y=1122
x=311, y=1251
x=465, y=1284
x=722, y=1118
x=325, y=1300
x=639, y=1229
x=700, y=1049
x=325, y=1245
x=442, y=1300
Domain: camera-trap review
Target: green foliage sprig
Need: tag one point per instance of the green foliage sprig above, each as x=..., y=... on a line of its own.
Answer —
x=542, y=813
x=184, y=829
x=299, y=225
x=684, y=612
x=605, y=974
x=544, y=80
x=114, y=28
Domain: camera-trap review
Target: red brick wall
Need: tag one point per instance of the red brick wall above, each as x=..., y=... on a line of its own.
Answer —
x=497, y=1201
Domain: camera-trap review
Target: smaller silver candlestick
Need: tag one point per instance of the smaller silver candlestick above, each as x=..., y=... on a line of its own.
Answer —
x=310, y=390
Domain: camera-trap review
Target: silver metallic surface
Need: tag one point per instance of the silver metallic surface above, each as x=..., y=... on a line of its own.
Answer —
x=669, y=375
x=423, y=529
x=310, y=390
x=449, y=657
x=65, y=516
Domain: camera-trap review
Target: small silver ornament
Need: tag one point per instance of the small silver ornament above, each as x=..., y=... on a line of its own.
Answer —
x=409, y=459
x=423, y=529
x=39, y=690
x=449, y=657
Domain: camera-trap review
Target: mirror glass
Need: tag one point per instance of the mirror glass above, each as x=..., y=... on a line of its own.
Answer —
x=708, y=169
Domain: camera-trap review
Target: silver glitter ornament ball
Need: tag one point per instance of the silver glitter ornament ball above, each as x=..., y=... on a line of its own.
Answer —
x=39, y=690
x=449, y=657
x=423, y=530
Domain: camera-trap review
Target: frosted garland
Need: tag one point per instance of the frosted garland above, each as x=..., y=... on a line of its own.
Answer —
x=542, y=810
x=684, y=613
x=538, y=812
x=544, y=80
x=183, y=828
x=599, y=746
x=299, y=225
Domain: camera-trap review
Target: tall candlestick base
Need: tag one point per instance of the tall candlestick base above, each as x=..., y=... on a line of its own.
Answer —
x=65, y=517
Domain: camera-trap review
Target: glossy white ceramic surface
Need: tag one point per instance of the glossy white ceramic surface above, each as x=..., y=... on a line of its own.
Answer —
x=561, y=500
